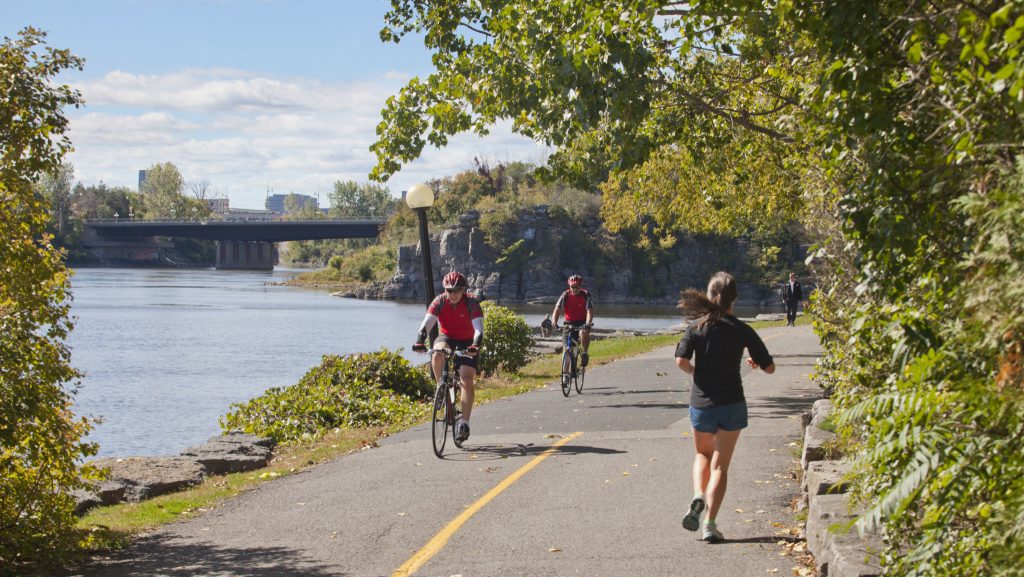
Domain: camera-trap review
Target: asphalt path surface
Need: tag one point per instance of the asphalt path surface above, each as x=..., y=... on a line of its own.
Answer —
x=607, y=501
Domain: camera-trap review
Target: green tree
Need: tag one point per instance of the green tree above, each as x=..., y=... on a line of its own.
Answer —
x=299, y=207
x=102, y=201
x=163, y=192
x=352, y=199
x=40, y=438
x=55, y=186
x=896, y=126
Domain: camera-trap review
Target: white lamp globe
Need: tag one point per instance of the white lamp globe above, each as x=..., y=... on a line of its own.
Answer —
x=419, y=196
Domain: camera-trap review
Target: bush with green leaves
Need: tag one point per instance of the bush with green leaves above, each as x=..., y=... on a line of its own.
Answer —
x=357, y=390
x=41, y=439
x=507, y=340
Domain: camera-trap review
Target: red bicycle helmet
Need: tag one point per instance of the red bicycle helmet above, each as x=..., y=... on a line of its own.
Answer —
x=454, y=279
x=575, y=280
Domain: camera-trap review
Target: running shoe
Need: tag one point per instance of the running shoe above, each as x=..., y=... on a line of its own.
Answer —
x=711, y=533
x=692, y=519
x=463, y=433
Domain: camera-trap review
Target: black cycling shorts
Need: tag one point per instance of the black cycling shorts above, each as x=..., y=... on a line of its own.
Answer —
x=455, y=345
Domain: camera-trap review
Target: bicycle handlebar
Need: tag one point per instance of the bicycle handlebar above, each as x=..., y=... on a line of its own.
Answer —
x=448, y=352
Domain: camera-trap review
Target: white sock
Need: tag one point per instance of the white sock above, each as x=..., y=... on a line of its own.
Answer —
x=700, y=496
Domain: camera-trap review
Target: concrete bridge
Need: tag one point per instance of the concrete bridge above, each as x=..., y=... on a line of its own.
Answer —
x=240, y=244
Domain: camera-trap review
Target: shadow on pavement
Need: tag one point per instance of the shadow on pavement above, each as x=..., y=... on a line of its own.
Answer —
x=644, y=405
x=767, y=539
x=779, y=407
x=622, y=392
x=505, y=450
x=158, y=556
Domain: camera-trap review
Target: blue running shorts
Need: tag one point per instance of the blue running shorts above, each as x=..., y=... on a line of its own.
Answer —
x=732, y=417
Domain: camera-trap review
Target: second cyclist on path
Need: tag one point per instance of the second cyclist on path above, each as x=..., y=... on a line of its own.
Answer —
x=462, y=327
x=579, y=311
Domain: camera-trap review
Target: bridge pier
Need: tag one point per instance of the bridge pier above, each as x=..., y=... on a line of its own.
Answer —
x=246, y=255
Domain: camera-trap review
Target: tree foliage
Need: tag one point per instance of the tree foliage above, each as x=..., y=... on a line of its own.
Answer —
x=163, y=191
x=352, y=199
x=40, y=438
x=893, y=127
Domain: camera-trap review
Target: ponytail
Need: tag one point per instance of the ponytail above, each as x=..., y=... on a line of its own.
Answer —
x=711, y=306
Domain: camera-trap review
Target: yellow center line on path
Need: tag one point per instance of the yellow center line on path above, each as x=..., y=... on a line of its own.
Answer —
x=438, y=542
x=768, y=338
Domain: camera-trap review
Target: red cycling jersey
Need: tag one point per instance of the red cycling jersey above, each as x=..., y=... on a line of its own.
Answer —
x=575, y=306
x=456, y=320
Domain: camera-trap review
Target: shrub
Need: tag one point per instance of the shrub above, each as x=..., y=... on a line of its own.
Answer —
x=41, y=440
x=357, y=390
x=507, y=340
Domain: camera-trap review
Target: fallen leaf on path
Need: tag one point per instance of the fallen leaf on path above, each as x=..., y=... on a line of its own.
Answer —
x=552, y=436
x=625, y=473
x=554, y=550
x=739, y=510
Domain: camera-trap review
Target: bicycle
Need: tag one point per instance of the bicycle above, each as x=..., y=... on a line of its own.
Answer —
x=447, y=402
x=573, y=373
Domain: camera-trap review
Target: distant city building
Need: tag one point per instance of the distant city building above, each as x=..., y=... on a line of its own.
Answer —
x=217, y=205
x=276, y=202
x=142, y=179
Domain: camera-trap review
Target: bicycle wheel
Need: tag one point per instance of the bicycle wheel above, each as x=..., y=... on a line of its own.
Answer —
x=578, y=381
x=439, y=429
x=455, y=398
x=566, y=372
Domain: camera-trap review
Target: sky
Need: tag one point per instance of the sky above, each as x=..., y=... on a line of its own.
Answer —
x=254, y=97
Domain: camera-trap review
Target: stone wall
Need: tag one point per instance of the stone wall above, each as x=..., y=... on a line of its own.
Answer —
x=838, y=549
x=616, y=274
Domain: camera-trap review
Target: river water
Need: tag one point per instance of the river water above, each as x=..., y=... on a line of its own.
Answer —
x=166, y=352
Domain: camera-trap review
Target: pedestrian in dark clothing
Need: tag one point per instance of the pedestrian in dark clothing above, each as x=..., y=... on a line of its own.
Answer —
x=711, y=351
x=792, y=294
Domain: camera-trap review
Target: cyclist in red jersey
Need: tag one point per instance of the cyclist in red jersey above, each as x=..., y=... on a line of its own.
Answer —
x=579, y=311
x=462, y=327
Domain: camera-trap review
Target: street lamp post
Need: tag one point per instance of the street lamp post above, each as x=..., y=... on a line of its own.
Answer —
x=419, y=198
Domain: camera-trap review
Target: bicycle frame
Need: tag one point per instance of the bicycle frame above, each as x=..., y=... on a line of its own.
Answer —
x=570, y=354
x=447, y=400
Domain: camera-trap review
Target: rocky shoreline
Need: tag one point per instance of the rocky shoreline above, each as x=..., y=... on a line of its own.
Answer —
x=134, y=479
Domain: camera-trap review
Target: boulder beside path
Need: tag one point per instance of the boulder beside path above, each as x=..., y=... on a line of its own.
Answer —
x=134, y=479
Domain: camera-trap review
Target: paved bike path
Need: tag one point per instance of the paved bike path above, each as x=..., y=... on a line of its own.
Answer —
x=607, y=502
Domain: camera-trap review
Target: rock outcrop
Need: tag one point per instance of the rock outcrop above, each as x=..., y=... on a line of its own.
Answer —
x=552, y=248
x=134, y=479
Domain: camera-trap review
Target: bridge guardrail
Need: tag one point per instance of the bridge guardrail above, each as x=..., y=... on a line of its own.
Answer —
x=132, y=220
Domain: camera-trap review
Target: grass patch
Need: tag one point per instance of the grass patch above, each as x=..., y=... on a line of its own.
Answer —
x=107, y=528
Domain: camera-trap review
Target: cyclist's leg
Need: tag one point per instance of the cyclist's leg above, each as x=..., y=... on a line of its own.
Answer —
x=437, y=360
x=468, y=376
x=585, y=339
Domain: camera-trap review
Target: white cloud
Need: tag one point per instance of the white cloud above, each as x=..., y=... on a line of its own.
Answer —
x=246, y=134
